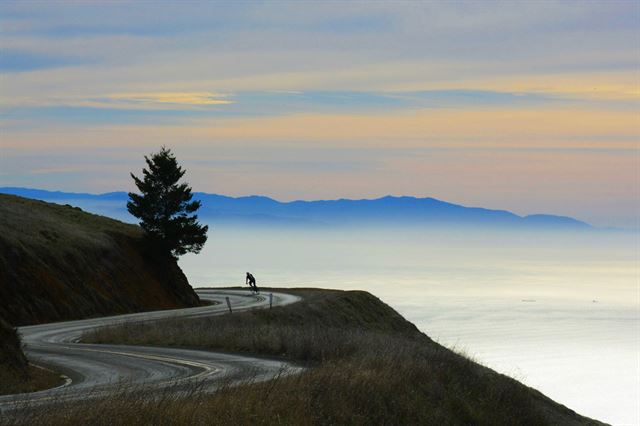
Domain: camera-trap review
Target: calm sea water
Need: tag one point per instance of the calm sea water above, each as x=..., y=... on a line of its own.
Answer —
x=559, y=312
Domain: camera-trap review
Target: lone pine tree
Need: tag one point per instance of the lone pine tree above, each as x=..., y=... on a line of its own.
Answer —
x=164, y=207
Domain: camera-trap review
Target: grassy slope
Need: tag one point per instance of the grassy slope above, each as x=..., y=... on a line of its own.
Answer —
x=369, y=366
x=16, y=375
x=58, y=262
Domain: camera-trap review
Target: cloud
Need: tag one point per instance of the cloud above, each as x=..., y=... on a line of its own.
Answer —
x=63, y=170
x=490, y=127
x=487, y=127
x=286, y=47
x=508, y=102
x=123, y=101
x=622, y=85
x=160, y=99
x=18, y=61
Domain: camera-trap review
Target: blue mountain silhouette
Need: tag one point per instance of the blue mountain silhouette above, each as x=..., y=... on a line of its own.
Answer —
x=264, y=210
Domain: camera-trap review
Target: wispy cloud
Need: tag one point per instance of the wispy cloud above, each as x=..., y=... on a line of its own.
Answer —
x=509, y=102
x=57, y=170
x=128, y=101
x=174, y=98
x=153, y=100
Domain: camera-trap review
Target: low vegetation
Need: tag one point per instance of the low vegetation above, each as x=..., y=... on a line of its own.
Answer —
x=327, y=324
x=58, y=262
x=367, y=365
x=16, y=375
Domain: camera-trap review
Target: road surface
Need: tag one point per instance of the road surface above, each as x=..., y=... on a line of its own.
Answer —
x=97, y=369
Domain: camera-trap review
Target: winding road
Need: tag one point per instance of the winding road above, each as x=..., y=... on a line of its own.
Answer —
x=97, y=369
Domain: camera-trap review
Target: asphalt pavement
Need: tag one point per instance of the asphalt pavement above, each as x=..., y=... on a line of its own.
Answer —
x=93, y=370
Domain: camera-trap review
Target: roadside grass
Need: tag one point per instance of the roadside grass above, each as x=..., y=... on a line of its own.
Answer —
x=31, y=380
x=16, y=374
x=367, y=365
x=327, y=324
x=400, y=387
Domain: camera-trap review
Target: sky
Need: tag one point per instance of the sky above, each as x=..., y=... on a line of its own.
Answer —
x=527, y=106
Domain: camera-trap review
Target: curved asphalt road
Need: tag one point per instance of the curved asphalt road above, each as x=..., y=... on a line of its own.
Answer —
x=96, y=369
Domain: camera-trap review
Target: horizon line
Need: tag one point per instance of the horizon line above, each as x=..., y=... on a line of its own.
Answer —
x=323, y=200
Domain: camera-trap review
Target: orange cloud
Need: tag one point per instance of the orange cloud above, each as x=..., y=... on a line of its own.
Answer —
x=594, y=86
x=451, y=128
x=129, y=100
x=178, y=98
x=441, y=128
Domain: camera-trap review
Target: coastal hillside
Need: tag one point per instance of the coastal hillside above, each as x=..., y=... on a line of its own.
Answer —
x=367, y=365
x=58, y=262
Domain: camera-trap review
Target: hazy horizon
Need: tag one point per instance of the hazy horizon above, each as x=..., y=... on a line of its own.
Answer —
x=105, y=204
x=558, y=311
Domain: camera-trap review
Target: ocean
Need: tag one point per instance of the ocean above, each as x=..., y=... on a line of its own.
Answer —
x=558, y=311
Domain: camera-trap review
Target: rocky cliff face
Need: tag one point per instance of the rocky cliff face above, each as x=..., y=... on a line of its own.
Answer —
x=58, y=263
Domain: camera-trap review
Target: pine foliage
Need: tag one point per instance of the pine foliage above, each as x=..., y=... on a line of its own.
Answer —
x=165, y=207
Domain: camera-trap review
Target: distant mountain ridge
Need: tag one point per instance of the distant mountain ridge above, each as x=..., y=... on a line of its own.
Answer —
x=264, y=210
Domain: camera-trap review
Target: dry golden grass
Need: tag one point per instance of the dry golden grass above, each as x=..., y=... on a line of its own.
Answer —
x=58, y=262
x=401, y=384
x=367, y=366
x=31, y=380
x=325, y=325
x=16, y=375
